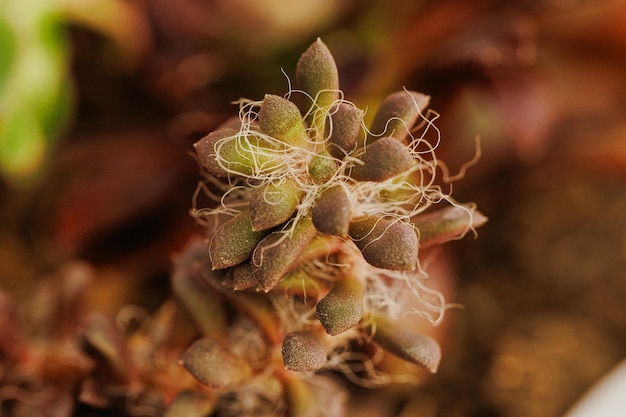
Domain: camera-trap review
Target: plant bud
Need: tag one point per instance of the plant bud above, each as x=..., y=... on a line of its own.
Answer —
x=234, y=241
x=342, y=308
x=397, y=114
x=281, y=119
x=274, y=204
x=386, y=242
x=343, y=129
x=381, y=160
x=303, y=352
x=317, y=75
x=275, y=255
x=407, y=344
x=331, y=213
x=214, y=365
x=322, y=167
x=450, y=223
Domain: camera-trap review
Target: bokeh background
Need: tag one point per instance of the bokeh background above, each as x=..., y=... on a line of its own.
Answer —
x=101, y=101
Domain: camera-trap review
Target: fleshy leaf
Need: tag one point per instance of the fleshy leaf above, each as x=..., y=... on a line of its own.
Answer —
x=407, y=344
x=342, y=308
x=195, y=295
x=214, y=365
x=322, y=167
x=343, y=129
x=317, y=75
x=381, y=160
x=331, y=213
x=226, y=152
x=303, y=352
x=273, y=204
x=281, y=119
x=275, y=255
x=397, y=114
x=386, y=242
x=446, y=224
x=234, y=241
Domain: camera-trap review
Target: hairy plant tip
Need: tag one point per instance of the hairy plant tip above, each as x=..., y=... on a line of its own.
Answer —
x=281, y=119
x=381, y=160
x=214, y=365
x=303, y=352
x=386, y=242
x=342, y=308
x=234, y=241
x=397, y=114
x=404, y=343
x=317, y=75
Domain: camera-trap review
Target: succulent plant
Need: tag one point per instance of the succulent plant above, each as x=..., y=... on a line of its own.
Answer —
x=316, y=235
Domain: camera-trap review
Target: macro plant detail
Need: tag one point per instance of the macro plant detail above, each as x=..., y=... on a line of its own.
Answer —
x=313, y=239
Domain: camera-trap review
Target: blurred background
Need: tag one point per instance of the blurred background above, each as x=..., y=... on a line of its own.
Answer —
x=101, y=101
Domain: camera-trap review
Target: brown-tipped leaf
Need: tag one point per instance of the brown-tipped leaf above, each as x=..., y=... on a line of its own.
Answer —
x=450, y=223
x=381, y=160
x=407, y=344
x=317, y=75
x=234, y=241
x=275, y=255
x=343, y=129
x=273, y=204
x=342, y=308
x=331, y=213
x=386, y=242
x=281, y=119
x=397, y=114
x=303, y=352
x=214, y=365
